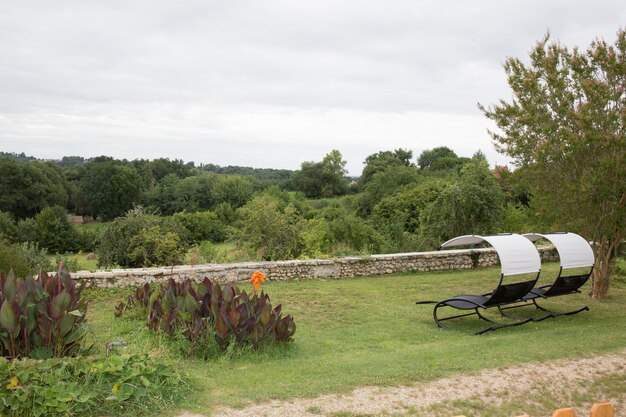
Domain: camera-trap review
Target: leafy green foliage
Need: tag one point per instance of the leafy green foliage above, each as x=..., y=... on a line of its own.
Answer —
x=152, y=247
x=108, y=187
x=117, y=247
x=336, y=231
x=202, y=225
x=398, y=216
x=471, y=205
x=24, y=258
x=90, y=236
x=206, y=252
x=440, y=159
x=565, y=128
x=55, y=232
x=322, y=179
x=382, y=160
x=27, y=230
x=8, y=228
x=385, y=183
x=200, y=192
x=82, y=386
x=28, y=187
x=196, y=310
x=271, y=227
x=41, y=317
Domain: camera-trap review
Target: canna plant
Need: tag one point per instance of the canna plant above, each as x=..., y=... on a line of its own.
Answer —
x=41, y=317
x=195, y=309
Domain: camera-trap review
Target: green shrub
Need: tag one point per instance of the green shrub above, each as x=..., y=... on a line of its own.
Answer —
x=207, y=252
x=41, y=317
x=152, y=247
x=24, y=258
x=90, y=236
x=8, y=228
x=70, y=262
x=88, y=386
x=115, y=247
x=271, y=228
x=56, y=233
x=337, y=232
x=202, y=225
x=27, y=230
x=197, y=310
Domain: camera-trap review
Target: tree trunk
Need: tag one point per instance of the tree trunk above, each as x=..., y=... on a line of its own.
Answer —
x=601, y=270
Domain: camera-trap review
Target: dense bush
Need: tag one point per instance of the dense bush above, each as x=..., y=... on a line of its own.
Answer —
x=90, y=236
x=206, y=252
x=88, y=386
x=27, y=230
x=24, y=258
x=55, y=232
x=271, y=228
x=202, y=225
x=198, y=310
x=27, y=187
x=8, y=228
x=41, y=317
x=152, y=247
x=397, y=216
x=335, y=231
x=473, y=204
x=116, y=247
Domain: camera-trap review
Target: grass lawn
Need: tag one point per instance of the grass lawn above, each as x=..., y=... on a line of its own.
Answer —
x=368, y=331
x=76, y=261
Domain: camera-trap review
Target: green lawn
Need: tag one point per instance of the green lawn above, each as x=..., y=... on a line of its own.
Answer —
x=368, y=331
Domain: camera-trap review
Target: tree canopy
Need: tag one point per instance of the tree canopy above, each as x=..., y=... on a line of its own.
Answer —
x=322, y=179
x=565, y=128
x=382, y=160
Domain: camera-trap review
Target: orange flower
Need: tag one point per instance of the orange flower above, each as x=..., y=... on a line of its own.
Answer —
x=257, y=278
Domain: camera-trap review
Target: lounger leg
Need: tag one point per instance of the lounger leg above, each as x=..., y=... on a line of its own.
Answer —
x=439, y=320
x=501, y=310
x=556, y=314
x=494, y=328
x=485, y=318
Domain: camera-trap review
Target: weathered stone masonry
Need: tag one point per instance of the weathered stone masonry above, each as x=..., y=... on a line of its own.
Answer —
x=362, y=266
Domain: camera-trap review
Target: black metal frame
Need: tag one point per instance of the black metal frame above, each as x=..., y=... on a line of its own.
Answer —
x=562, y=285
x=504, y=294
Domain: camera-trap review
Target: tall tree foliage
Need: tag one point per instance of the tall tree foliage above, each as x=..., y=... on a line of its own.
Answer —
x=565, y=126
x=470, y=205
x=27, y=187
x=382, y=160
x=322, y=179
x=109, y=187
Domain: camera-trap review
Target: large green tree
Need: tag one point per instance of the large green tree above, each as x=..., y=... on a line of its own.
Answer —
x=382, y=160
x=109, y=187
x=322, y=179
x=565, y=127
x=28, y=187
x=473, y=204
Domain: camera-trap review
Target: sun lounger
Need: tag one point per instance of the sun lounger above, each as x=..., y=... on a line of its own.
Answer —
x=521, y=267
x=575, y=254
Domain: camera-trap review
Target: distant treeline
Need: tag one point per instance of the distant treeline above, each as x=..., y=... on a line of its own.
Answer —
x=156, y=210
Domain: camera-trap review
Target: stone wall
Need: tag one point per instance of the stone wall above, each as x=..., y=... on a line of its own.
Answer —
x=362, y=266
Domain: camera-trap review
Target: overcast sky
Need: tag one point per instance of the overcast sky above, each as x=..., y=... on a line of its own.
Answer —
x=268, y=83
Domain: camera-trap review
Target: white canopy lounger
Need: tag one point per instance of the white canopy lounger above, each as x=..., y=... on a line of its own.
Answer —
x=518, y=258
x=574, y=253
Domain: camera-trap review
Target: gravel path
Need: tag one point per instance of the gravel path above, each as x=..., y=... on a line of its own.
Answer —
x=491, y=386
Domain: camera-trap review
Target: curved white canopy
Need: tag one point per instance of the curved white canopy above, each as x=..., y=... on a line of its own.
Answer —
x=574, y=251
x=517, y=254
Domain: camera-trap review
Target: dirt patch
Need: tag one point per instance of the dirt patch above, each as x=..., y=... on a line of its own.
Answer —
x=495, y=386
